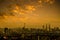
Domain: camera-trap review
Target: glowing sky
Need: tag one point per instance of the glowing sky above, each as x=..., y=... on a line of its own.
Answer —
x=13, y=13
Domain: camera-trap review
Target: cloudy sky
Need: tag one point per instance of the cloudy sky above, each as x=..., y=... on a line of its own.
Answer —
x=14, y=13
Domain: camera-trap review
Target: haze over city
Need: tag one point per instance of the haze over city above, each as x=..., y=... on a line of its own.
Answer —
x=35, y=13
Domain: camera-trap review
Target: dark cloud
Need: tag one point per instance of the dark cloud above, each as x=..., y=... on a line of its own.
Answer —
x=7, y=5
x=1, y=1
x=44, y=12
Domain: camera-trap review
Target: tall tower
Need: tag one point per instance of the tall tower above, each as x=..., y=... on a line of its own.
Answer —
x=43, y=27
x=46, y=27
x=49, y=27
x=24, y=26
x=5, y=30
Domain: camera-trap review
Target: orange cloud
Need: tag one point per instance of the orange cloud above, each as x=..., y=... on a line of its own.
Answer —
x=30, y=8
x=40, y=1
x=47, y=0
x=51, y=2
x=15, y=19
